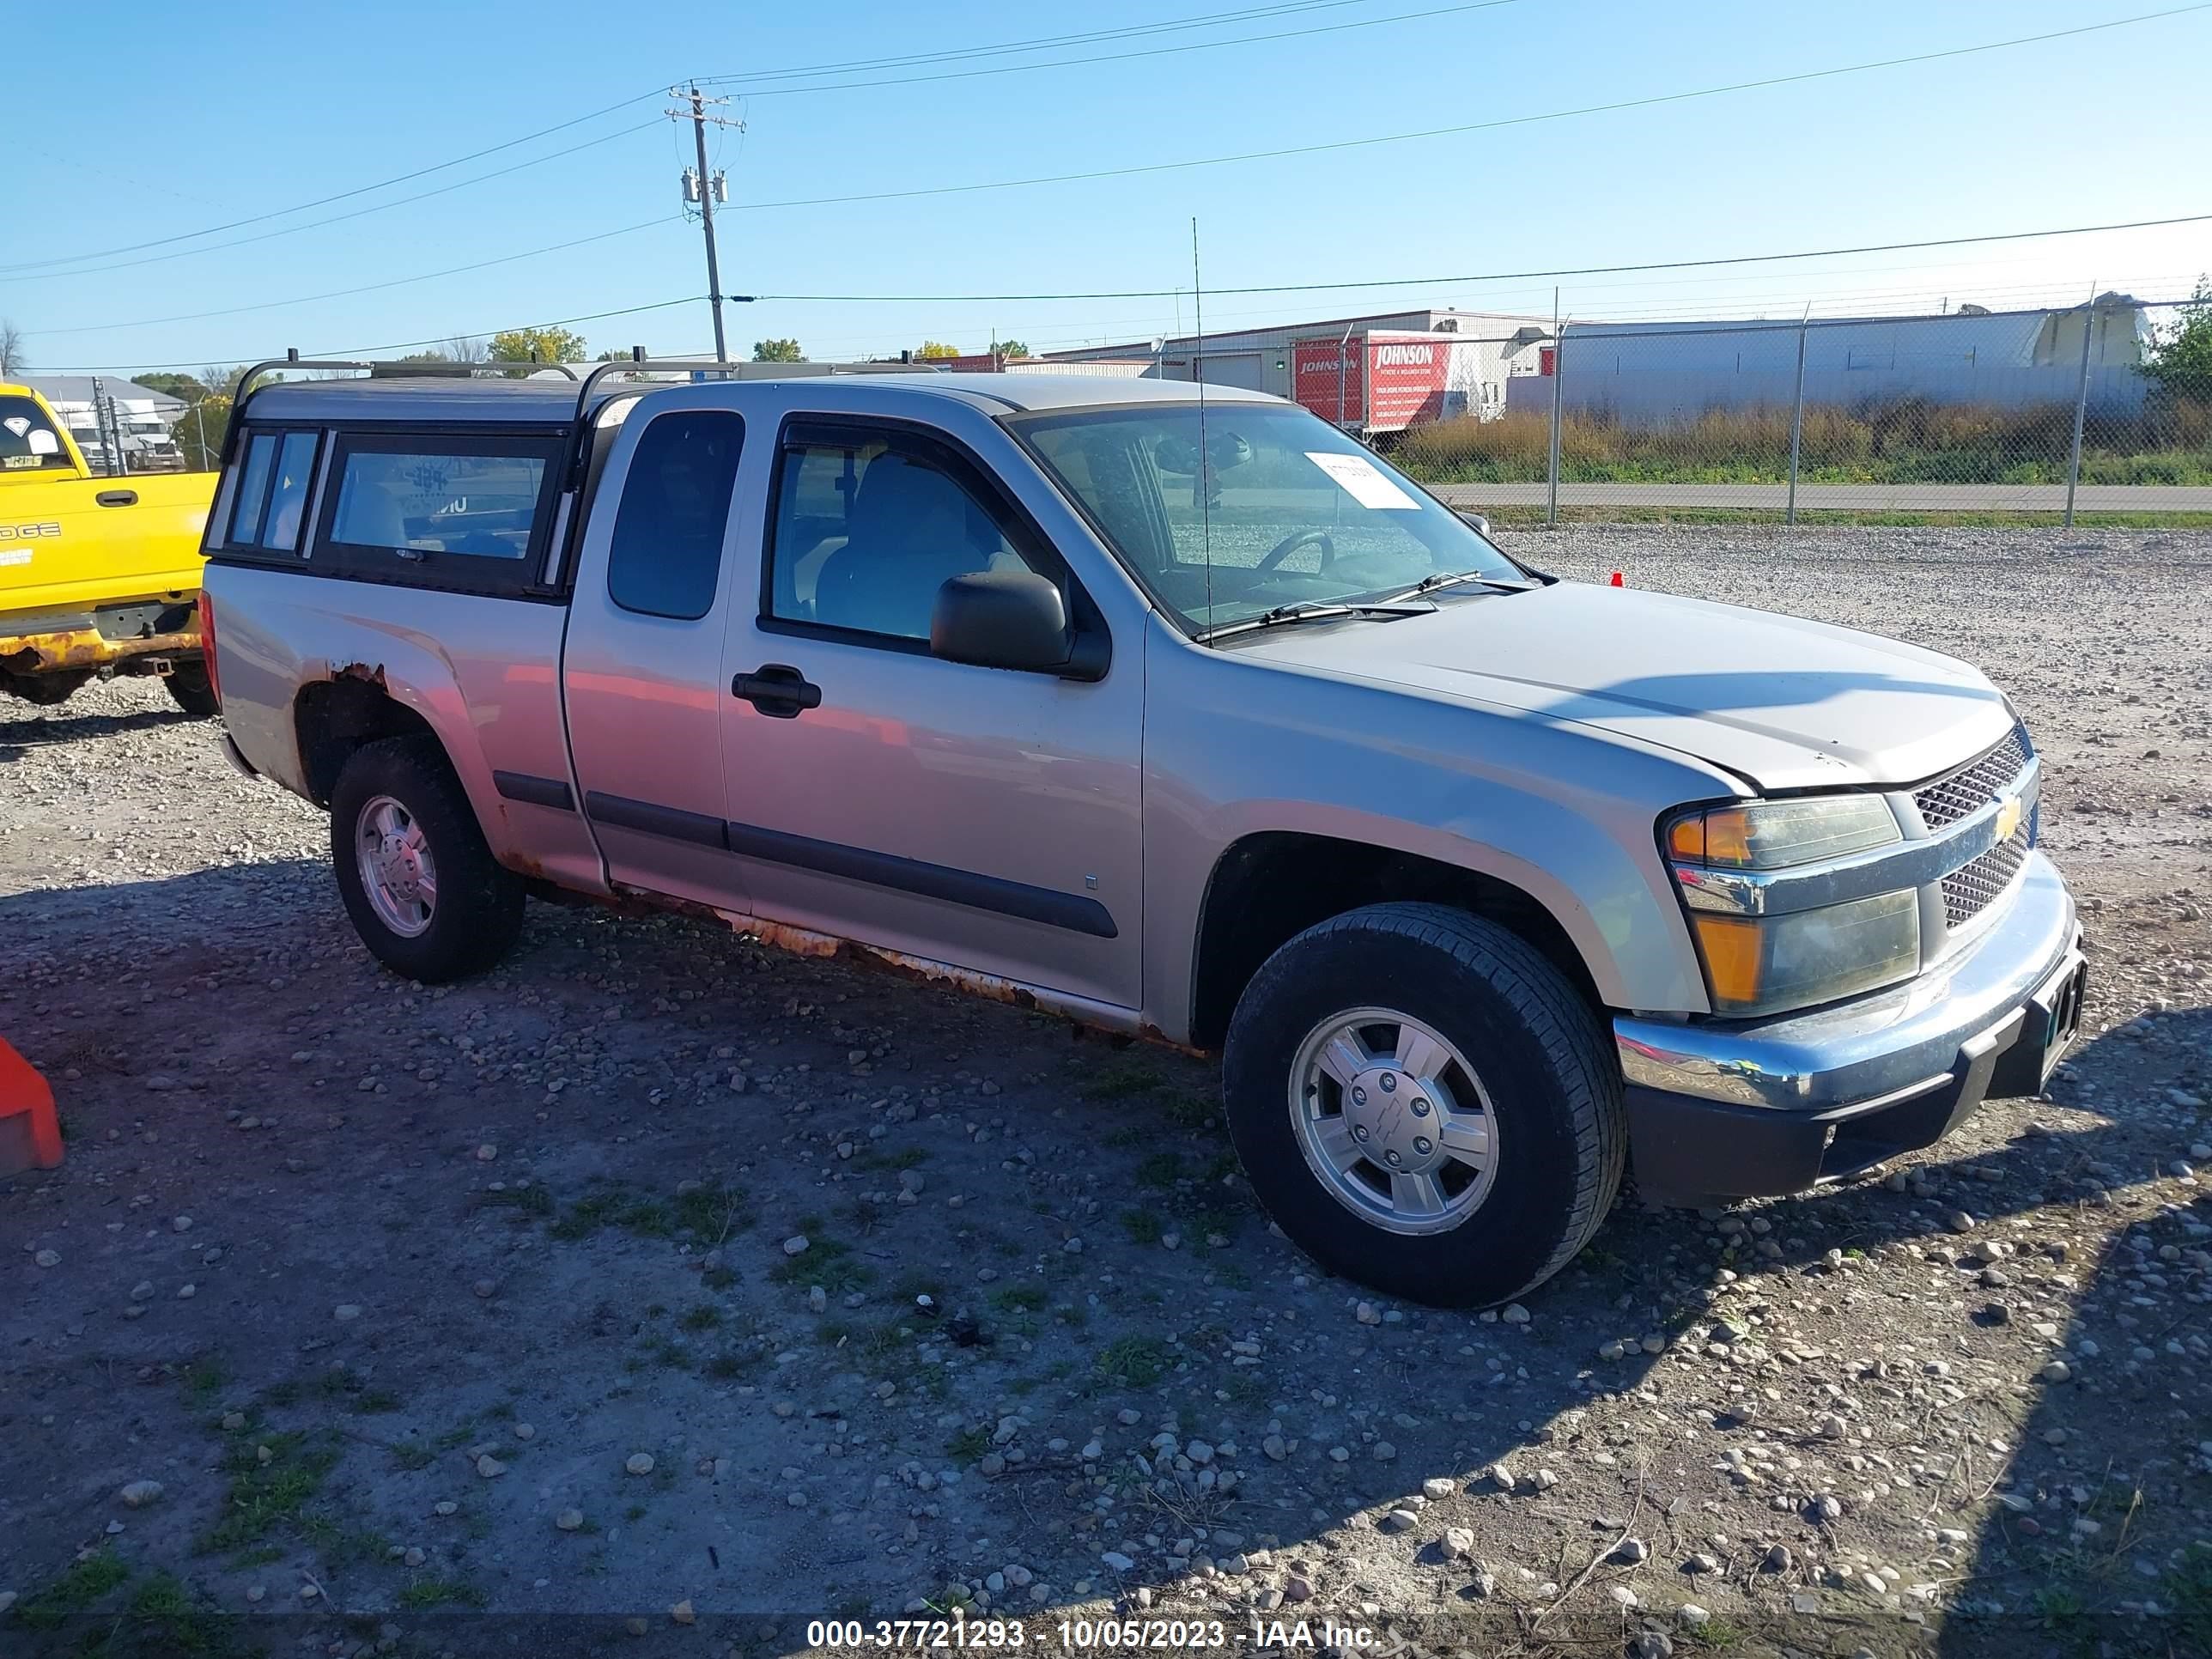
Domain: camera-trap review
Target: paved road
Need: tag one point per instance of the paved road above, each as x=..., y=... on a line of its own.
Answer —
x=1959, y=498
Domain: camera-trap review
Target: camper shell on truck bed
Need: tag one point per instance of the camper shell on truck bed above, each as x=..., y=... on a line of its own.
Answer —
x=1174, y=709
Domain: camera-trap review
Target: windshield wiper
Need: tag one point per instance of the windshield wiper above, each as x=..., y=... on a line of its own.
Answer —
x=1319, y=610
x=1453, y=579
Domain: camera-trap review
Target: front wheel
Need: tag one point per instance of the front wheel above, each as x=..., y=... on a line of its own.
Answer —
x=1424, y=1104
x=418, y=880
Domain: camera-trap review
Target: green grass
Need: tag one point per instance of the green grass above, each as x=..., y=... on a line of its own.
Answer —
x=1126, y=1082
x=826, y=1261
x=412, y=1456
x=711, y=1213
x=704, y=1317
x=718, y=1278
x=732, y=1365
x=906, y=1157
x=969, y=1444
x=614, y=1206
x=528, y=1203
x=426, y=1593
x=1524, y=518
x=912, y=1287
x=203, y=1381
x=1142, y=1226
x=1902, y=441
x=1161, y=1170
x=263, y=1495
x=1019, y=1298
x=166, y=1618
x=2189, y=1589
x=1136, y=1362
x=84, y=1582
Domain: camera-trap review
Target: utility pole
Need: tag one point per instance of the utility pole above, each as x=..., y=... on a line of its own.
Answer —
x=706, y=189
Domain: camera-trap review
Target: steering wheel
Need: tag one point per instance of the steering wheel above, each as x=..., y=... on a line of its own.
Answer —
x=1292, y=542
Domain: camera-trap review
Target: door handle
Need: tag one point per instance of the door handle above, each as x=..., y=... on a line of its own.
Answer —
x=777, y=690
x=117, y=498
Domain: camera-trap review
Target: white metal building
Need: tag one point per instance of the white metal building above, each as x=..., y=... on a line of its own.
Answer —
x=1644, y=373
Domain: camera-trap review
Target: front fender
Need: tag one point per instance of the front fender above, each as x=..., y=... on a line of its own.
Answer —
x=1238, y=747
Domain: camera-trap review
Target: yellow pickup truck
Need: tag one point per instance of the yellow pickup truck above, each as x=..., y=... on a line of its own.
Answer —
x=98, y=576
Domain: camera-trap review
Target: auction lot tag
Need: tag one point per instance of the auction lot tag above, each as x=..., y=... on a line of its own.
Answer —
x=1364, y=481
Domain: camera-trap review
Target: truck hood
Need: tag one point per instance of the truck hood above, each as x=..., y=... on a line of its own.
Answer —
x=1783, y=703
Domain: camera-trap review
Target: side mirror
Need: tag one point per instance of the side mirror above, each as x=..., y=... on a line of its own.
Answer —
x=1481, y=524
x=1001, y=619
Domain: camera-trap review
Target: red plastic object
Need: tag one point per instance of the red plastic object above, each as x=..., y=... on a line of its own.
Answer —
x=1616, y=579
x=30, y=1135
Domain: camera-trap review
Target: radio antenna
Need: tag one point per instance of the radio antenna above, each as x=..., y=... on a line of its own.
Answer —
x=1202, y=479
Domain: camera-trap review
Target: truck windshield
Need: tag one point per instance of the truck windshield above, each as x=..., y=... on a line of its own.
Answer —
x=1270, y=507
x=28, y=443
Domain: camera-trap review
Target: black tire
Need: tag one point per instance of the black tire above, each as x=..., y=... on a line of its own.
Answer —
x=478, y=912
x=44, y=691
x=1554, y=1095
x=192, y=691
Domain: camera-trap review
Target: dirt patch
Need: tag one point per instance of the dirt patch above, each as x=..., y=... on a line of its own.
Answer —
x=662, y=1276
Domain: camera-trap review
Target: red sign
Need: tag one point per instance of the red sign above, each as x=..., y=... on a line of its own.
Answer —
x=1382, y=383
x=1331, y=380
x=1408, y=377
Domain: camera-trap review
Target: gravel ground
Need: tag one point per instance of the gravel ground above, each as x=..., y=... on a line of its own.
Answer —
x=664, y=1279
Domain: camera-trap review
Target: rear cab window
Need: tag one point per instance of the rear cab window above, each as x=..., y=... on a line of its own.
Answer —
x=466, y=511
x=28, y=443
x=274, y=478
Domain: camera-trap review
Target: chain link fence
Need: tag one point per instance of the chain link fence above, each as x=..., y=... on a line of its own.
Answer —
x=2103, y=408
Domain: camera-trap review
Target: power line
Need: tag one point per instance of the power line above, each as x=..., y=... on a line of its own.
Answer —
x=1090, y=37
x=1494, y=276
x=747, y=88
x=365, y=288
x=853, y=66
x=1454, y=132
x=1460, y=279
x=340, y=218
x=395, y=345
x=324, y=201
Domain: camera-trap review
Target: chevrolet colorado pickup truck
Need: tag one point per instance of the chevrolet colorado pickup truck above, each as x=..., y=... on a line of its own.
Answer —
x=1189, y=719
x=97, y=575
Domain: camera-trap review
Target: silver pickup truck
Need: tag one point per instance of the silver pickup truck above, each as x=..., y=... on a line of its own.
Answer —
x=1187, y=719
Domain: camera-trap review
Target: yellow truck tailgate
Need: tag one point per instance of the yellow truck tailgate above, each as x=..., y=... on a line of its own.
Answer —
x=70, y=545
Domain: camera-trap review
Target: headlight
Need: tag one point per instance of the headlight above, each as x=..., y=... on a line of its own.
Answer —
x=1762, y=955
x=1773, y=835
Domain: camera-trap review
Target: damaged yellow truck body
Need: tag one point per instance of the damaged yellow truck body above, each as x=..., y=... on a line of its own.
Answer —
x=98, y=576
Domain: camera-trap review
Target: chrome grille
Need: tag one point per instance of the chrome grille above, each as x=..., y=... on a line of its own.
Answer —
x=1972, y=888
x=1972, y=786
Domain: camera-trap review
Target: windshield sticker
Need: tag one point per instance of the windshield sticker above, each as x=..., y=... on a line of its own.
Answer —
x=15, y=424
x=19, y=461
x=43, y=443
x=1364, y=481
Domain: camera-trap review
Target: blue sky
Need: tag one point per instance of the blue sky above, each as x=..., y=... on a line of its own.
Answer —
x=135, y=122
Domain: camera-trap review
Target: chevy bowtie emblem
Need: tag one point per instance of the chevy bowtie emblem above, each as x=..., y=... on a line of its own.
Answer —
x=2008, y=817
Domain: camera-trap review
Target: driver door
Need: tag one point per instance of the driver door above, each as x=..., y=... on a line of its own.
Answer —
x=985, y=818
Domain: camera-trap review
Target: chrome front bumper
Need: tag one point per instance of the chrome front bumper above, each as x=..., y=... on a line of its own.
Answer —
x=1741, y=1108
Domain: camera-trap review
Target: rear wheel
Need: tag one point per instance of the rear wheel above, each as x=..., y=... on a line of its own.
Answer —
x=417, y=879
x=44, y=691
x=1424, y=1104
x=192, y=691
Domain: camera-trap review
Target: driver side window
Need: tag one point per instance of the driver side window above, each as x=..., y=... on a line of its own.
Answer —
x=869, y=527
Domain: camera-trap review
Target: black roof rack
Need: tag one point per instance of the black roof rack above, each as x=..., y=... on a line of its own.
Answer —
x=708, y=368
